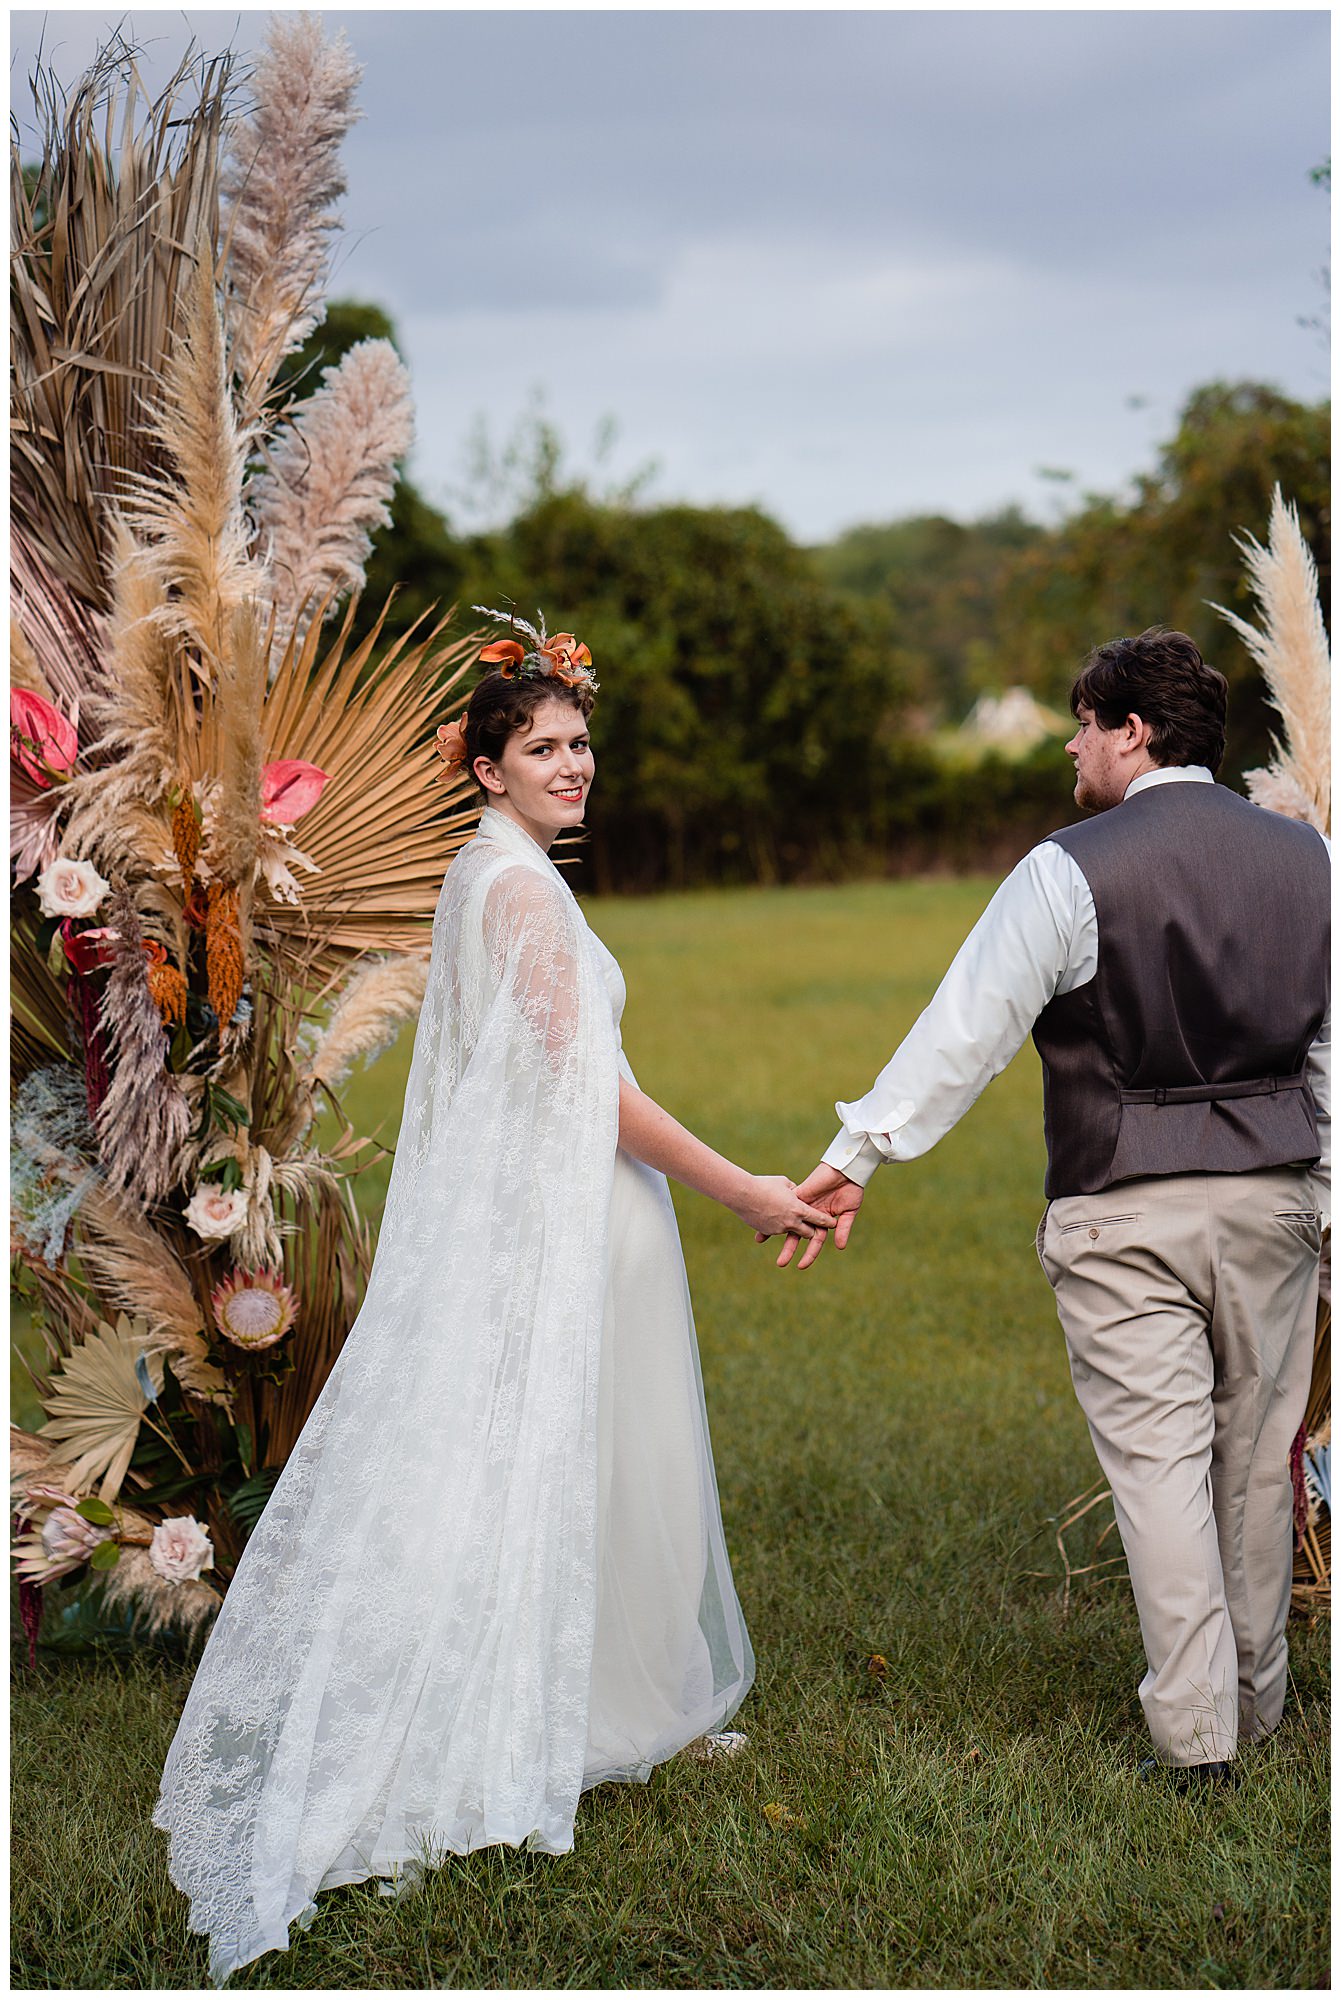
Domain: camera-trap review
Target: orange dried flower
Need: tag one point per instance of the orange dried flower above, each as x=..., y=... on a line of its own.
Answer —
x=186, y=836
x=168, y=987
x=223, y=950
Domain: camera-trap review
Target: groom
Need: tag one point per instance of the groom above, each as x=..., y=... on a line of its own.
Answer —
x=1171, y=957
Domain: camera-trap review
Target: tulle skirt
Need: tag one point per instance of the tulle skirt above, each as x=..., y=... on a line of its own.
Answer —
x=672, y=1658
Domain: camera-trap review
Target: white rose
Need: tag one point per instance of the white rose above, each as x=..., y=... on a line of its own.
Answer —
x=70, y=889
x=180, y=1549
x=214, y=1214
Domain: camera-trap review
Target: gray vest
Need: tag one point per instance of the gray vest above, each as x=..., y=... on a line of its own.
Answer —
x=1185, y=1053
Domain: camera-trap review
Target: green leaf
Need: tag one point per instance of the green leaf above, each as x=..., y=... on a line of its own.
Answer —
x=105, y=1556
x=169, y=1489
x=97, y=1511
x=228, y=1109
x=247, y=1504
x=244, y=1446
x=46, y=931
x=232, y=1176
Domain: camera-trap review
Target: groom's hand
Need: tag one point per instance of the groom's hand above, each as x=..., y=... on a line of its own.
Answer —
x=839, y=1197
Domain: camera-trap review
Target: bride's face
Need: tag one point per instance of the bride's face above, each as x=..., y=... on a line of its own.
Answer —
x=545, y=772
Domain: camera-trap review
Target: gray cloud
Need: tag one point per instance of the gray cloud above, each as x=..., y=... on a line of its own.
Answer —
x=846, y=264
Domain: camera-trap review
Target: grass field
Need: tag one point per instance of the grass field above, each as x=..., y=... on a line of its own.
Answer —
x=895, y=1432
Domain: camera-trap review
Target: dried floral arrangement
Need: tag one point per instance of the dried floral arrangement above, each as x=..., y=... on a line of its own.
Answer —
x=1292, y=651
x=190, y=986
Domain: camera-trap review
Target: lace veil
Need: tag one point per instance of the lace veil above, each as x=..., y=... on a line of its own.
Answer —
x=378, y=1676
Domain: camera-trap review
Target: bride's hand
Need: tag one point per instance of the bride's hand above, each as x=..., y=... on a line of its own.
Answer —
x=770, y=1205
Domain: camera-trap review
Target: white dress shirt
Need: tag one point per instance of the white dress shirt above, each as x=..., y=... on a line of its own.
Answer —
x=1039, y=936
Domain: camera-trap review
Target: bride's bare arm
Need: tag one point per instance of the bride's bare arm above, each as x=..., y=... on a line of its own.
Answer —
x=766, y=1201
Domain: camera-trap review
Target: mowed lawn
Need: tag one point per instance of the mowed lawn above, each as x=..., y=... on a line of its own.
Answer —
x=895, y=1436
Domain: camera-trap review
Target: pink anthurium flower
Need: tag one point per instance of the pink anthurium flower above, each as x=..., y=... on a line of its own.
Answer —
x=89, y=950
x=289, y=788
x=41, y=741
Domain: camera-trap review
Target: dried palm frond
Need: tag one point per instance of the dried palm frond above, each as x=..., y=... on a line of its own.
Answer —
x=384, y=828
x=144, y=1121
x=24, y=668
x=95, y=1402
x=327, y=1258
x=158, y=1606
x=29, y=1456
x=39, y=1014
x=329, y=482
x=281, y=181
x=1292, y=652
x=189, y=517
x=368, y=1015
x=63, y=635
x=102, y=247
x=34, y=825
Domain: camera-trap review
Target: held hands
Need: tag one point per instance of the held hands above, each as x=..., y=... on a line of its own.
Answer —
x=772, y=1207
x=837, y=1198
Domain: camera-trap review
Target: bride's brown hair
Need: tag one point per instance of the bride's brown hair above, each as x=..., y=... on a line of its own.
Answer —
x=505, y=704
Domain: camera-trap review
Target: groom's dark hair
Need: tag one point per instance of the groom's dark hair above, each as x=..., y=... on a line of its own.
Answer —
x=1160, y=676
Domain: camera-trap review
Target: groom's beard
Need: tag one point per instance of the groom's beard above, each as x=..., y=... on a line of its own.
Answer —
x=1094, y=796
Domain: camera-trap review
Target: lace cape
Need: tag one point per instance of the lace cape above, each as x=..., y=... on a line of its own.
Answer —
x=401, y=1666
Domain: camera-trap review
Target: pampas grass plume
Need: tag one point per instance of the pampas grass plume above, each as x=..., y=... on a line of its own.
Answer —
x=280, y=184
x=235, y=845
x=144, y=1121
x=374, y=1005
x=330, y=479
x=1292, y=651
x=192, y=520
x=134, y=1269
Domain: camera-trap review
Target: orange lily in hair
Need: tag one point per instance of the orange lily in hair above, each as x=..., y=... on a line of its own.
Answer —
x=451, y=744
x=564, y=658
x=505, y=654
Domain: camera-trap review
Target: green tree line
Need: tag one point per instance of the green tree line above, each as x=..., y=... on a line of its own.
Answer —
x=772, y=712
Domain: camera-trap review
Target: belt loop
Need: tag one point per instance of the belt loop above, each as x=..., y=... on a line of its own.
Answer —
x=1161, y=1095
x=1272, y=1082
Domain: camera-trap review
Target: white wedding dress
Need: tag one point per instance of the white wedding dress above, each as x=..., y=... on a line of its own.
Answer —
x=492, y=1573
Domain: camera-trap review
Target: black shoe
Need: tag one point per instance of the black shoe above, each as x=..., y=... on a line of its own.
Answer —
x=1187, y=1777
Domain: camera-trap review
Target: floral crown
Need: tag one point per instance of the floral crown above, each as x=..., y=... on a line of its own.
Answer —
x=560, y=658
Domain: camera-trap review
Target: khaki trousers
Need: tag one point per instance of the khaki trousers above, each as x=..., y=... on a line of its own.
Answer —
x=1188, y=1304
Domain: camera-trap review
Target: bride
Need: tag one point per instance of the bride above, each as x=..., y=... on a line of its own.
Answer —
x=492, y=1573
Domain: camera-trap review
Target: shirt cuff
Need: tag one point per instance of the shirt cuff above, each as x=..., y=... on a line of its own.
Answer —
x=856, y=1155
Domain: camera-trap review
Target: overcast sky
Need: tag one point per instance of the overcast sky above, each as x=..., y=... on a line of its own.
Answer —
x=847, y=265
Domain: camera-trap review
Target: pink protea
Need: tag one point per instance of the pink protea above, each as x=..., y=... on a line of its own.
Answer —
x=253, y=1309
x=59, y=1541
